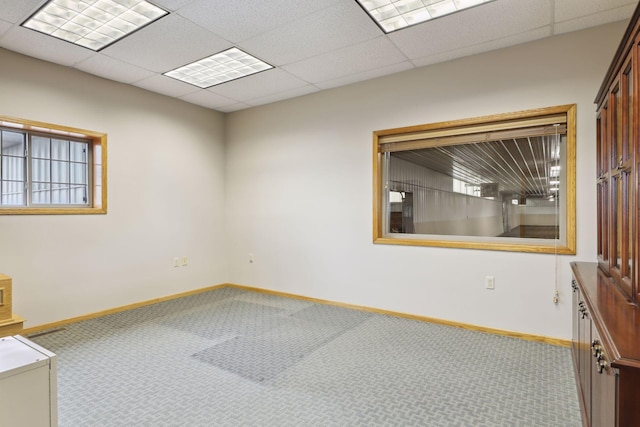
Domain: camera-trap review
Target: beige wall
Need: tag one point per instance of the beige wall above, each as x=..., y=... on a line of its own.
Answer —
x=291, y=183
x=299, y=188
x=166, y=191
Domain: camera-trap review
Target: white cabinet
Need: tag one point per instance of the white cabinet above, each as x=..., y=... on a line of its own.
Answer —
x=28, y=384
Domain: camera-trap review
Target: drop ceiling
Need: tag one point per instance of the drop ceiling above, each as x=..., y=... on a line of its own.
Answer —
x=313, y=45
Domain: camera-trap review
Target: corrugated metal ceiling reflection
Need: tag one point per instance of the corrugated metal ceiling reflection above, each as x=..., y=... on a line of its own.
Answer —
x=525, y=166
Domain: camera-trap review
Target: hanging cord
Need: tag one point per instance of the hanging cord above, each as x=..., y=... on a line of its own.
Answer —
x=556, y=154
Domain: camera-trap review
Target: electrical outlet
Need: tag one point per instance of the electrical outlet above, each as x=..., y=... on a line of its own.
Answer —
x=250, y=258
x=490, y=282
x=176, y=262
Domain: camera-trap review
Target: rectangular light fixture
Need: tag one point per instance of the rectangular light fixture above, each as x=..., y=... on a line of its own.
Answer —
x=392, y=15
x=93, y=24
x=222, y=67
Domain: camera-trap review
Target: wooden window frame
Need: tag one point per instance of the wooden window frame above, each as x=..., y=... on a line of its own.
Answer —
x=460, y=129
x=98, y=144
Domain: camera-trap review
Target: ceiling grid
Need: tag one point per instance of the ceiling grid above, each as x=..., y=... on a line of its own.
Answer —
x=316, y=45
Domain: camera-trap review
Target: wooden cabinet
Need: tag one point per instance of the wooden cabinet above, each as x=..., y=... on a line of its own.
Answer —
x=616, y=172
x=606, y=299
x=606, y=349
x=10, y=323
x=618, y=163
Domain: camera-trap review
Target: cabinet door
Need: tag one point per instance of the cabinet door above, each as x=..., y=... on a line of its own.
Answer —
x=603, y=385
x=575, y=337
x=627, y=171
x=585, y=355
x=603, y=186
x=631, y=128
x=614, y=164
x=627, y=408
x=621, y=179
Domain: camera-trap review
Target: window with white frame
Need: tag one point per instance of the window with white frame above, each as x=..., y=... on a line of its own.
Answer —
x=50, y=169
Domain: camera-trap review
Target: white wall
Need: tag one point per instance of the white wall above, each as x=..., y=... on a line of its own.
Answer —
x=166, y=197
x=299, y=188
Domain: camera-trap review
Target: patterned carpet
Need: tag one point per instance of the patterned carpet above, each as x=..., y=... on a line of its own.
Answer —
x=231, y=357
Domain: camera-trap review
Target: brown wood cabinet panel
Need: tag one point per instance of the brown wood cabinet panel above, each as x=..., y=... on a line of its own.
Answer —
x=607, y=349
x=602, y=176
x=603, y=385
x=606, y=304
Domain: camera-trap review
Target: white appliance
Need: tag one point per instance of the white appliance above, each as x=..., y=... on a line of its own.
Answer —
x=28, y=384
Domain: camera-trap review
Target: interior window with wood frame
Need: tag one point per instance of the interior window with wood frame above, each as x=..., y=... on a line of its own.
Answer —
x=51, y=169
x=501, y=182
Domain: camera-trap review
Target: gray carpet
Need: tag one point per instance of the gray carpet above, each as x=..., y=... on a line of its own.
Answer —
x=231, y=357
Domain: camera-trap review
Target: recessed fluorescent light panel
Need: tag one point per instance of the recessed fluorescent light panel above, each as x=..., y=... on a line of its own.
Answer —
x=219, y=68
x=93, y=24
x=392, y=15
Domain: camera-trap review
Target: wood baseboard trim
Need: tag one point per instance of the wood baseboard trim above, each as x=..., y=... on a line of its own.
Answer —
x=60, y=323
x=527, y=337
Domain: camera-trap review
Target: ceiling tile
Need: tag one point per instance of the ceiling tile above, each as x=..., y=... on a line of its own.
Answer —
x=236, y=21
x=282, y=95
x=567, y=10
x=113, y=69
x=166, y=44
x=306, y=37
x=233, y=107
x=38, y=45
x=366, y=75
x=208, y=99
x=18, y=11
x=484, y=47
x=372, y=54
x=480, y=24
x=265, y=83
x=166, y=86
x=4, y=27
x=614, y=15
x=171, y=5
x=315, y=44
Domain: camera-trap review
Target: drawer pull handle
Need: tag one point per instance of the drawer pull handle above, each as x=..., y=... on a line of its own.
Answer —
x=598, y=352
x=583, y=311
x=601, y=364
